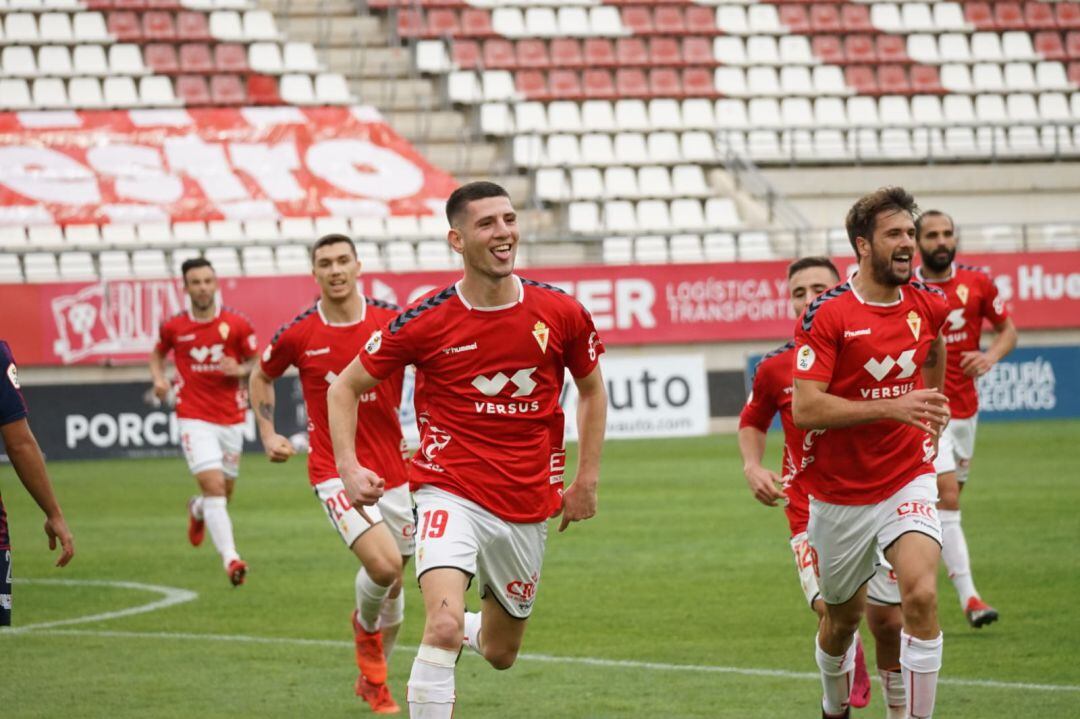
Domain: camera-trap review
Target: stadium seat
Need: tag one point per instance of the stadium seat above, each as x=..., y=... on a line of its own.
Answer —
x=54, y=60
x=151, y=263
x=49, y=93
x=227, y=90
x=651, y=249
x=232, y=57
x=124, y=59
x=114, y=265
x=617, y=250
x=719, y=247
x=89, y=27
x=10, y=268
x=193, y=90
x=686, y=248
x=188, y=233
x=551, y=185
x=55, y=27
x=85, y=92
x=498, y=54
x=258, y=261
x=265, y=57
x=331, y=89
x=297, y=89
x=40, y=267
x=263, y=90
x=162, y=58
x=225, y=261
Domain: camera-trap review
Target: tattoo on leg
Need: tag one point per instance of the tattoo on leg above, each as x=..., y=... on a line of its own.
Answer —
x=445, y=604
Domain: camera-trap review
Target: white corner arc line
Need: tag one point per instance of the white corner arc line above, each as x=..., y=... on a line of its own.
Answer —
x=552, y=659
x=170, y=596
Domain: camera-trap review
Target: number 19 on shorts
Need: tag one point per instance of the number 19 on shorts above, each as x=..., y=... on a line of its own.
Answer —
x=434, y=524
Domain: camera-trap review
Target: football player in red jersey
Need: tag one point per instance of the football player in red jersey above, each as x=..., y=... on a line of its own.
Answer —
x=869, y=365
x=490, y=353
x=973, y=299
x=808, y=278
x=22, y=449
x=320, y=342
x=213, y=349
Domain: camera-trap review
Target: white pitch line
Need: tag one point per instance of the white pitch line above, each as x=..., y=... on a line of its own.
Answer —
x=170, y=596
x=552, y=659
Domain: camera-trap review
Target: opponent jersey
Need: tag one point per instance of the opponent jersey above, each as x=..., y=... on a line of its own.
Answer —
x=12, y=409
x=203, y=391
x=321, y=350
x=866, y=351
x=973, y=297
x=771, y=393
x=487, y=392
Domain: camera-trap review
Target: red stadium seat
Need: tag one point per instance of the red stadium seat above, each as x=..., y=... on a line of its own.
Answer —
x=828, y=49
x=227, y=90
x=856, y=18
x=631, y=83
x=195, y=58
x=263, y=90
x=638, y=20
x=861, y=77
x=158, y=25
x=701, y=20
x=124, y=26
x=825, y=19
x=532, y=84
x=1049, y=45
x=498, y=54
x=665, y=82
x=795, y=18
x=1072, y=46
x=1068, y=15
x=893, y=80
x=698, y=51
x=860, y=49
x=925, y=80
x=193, y=90
x=192, y=27
x=137, y=5
x=566, y=52
x=532, y=54
x=164, y=4
x=410, y=23
x=665, y=52
x=631, y=52
x=669, y=20
x=230, y=57
x=442, y=23
x=161, y=58
x=600, y=52
x=1039, y=16
x=1009, y=16
x=892, y=49
x=698, y=82
x=598, y=85
x=980, y=15
x=564, y=84
x=476, y=23
x=466, y=54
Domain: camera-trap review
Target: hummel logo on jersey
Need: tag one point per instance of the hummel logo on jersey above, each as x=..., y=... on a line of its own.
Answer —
x=316, y=353
x=522, y=379
x=956, y=319
x=856, y=333
x=185, y=338
x=460, y=348
x=880, y=369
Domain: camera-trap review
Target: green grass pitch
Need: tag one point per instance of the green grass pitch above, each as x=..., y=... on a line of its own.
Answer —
x=664, y=605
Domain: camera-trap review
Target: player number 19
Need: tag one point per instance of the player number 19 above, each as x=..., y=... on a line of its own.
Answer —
x=434, y=524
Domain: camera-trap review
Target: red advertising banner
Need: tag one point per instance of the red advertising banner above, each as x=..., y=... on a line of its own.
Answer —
x=116, y=322
x=210, y=164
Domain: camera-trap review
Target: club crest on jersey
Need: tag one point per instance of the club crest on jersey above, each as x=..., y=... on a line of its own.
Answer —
x=805, y=358
x=374, y=342
x=223, y=330
x=541, y=333
x=914, y=322
x=962, y=293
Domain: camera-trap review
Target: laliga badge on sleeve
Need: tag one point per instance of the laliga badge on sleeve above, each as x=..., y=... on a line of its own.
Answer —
x=374, y=342
x=805, y=358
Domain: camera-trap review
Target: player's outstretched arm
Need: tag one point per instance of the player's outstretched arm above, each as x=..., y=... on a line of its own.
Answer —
x=812, y=407
x=157, y=373
x=263, y=398
x=579, y=500
x=29, y=464
x=763, y=483
x=976, y=363
x=362, y=486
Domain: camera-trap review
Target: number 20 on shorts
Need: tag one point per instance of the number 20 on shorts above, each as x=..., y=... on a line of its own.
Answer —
x=434, y=525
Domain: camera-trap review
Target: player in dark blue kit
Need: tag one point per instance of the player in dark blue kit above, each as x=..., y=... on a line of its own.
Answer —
x=25, y=455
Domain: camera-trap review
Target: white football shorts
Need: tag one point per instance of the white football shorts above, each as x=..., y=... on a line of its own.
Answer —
x=504, y=557
x=343, y=516
x=211, y=446
x=882, y=588
x=956, y=448
x=396, y=508
x=847, y=541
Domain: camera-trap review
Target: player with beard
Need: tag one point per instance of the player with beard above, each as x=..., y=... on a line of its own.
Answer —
x=973, y=299
x=808, y=278
x=869, y=365
x=213, y=348
x=490, y=351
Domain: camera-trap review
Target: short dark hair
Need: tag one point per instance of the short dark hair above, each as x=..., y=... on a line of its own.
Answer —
x=332, y=239
x=931, y=213
x=193, y=264
x=469, y=192
x=862, y=216
x=806, y=262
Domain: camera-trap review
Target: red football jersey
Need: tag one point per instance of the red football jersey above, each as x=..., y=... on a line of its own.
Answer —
x=321, y=350
x=202, y=389
x=866, y=351
x=771, y=393
x=973, y=297
x=487, y=392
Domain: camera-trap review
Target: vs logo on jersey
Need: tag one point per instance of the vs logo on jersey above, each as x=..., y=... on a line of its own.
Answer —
x=541, y=333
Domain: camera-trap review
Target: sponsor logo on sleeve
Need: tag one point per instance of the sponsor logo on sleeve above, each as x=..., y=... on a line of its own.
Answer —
x=267, y=352
x=13, y=375
x=252, y=343
x=805, y=358
x=374, y=342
